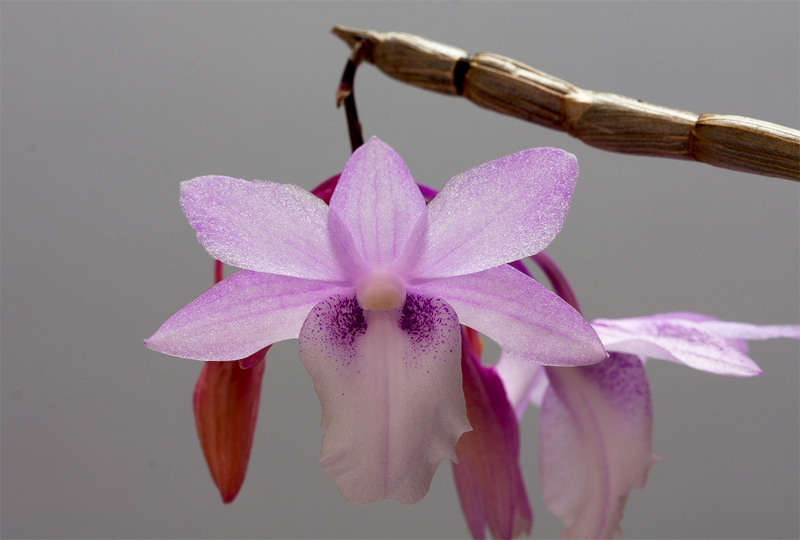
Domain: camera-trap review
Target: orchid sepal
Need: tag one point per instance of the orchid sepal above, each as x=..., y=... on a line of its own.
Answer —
x=225, y=403
x=488, y=477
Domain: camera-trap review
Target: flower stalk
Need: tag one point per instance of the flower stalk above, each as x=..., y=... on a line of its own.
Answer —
x=345, y=93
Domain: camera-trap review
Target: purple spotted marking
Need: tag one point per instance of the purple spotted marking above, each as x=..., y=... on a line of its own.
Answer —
x=621, y=377
x=419, y=318
x=422, y=319
x=346, y=322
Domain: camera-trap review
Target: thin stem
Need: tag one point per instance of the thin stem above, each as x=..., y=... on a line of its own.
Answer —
x=557, y=279
x=345, y=92
x=521, y=267
x=554, y=274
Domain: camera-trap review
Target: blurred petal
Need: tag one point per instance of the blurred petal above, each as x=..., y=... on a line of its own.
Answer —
x=488, y=478
x=226, y=401
x=389, y=383
x=524, y=382
x=498, y=212
x=595, y=443
x=677, y=340
x=683, y=315
x=377, y=199
x=736, y=330
x=738, y=344
x=240, y=315
x=524, y=318
x=261, y=226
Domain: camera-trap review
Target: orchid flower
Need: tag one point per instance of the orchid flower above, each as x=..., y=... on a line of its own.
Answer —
x=693, y=339
x=375, y=287
x=596, y=421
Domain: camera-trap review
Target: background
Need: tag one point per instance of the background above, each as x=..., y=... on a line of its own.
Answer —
x=106, y=107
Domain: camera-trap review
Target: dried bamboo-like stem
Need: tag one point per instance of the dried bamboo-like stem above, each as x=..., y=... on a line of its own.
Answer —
x=608, y=121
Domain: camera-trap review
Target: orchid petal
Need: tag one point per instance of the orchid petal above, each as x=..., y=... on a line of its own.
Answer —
x=389, y=383
x=240, y=315
x=226, y=401
x=737, y=343
x=524, y=382
x=737, y=330
x=682, y=315
x=377, y=199
x=523, y=317
x=677, y=340
x=595, y=443
x=498, y=212
x=261, y=226
x=487, y=476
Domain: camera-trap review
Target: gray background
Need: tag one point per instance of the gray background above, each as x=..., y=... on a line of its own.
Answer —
x=106, y=107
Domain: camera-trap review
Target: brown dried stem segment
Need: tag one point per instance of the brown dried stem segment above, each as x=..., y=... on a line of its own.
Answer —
x=608, y=121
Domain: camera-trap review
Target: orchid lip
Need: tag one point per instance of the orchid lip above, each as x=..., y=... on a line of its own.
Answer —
x=381, y=290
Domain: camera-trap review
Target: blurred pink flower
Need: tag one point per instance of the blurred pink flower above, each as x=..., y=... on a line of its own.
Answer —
x=596, y=421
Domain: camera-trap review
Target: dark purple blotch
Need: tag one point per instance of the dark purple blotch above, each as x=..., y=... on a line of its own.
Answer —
x=418, y=318
x=346, y=321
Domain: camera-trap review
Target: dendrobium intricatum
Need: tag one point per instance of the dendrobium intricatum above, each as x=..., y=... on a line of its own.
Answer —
x=376, y=286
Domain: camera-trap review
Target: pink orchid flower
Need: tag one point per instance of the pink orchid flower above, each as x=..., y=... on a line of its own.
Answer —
x=375, y=287
x=596, y=421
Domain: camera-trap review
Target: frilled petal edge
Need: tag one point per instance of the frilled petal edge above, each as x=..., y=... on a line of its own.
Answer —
x=525, y=319
x=240, y=315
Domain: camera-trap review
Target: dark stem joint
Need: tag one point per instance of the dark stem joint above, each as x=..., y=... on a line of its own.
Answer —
x=460, y=73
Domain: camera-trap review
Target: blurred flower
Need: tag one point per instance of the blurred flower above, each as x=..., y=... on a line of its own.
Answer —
x=693, y=339
x=375, y=287
x=596, y=421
